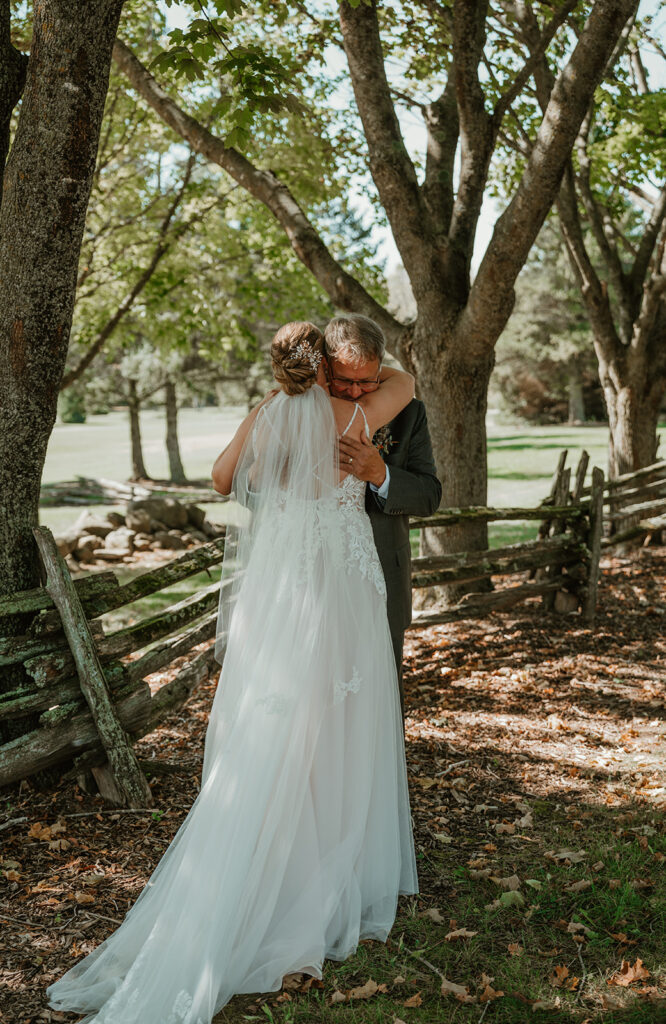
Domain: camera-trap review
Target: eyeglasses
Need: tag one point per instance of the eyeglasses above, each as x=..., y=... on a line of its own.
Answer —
x=345, y=384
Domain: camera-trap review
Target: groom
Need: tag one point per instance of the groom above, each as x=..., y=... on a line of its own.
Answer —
x=399, y=467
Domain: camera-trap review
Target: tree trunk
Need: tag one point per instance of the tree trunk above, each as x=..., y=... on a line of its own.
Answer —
x=456, y=396
x=633, y=414
x=176, y=470
x=634, y=380
x=139, y=471
x=575, y=394
x=46, y=188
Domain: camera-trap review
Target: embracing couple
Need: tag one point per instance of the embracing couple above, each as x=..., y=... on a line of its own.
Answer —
x=300, y=839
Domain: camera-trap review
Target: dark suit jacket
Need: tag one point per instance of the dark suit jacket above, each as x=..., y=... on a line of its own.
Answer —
x=414, y=490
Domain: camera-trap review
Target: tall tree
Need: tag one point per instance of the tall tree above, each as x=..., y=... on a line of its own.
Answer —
x=456, y=54
x=46, y=185
x=612, y=208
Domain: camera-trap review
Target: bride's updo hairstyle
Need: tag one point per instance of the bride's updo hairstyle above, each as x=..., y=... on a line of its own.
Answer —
x=296, y=351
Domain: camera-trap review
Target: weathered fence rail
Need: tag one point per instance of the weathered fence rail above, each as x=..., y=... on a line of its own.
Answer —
x=634, y=504
x=562, y=564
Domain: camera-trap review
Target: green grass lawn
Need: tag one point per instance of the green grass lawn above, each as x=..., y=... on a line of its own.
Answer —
x=521, y=458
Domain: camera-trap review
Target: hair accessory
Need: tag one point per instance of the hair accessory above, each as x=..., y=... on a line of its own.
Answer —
x=305, y=351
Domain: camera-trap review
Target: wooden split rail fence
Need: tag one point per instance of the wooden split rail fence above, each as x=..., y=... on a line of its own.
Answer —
x=89, y=686
x=561, y=565
x=92, y=701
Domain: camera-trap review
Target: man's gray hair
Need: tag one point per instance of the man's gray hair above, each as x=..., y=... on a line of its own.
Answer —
x=355, y=338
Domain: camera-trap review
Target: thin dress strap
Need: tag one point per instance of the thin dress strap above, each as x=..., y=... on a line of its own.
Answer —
x=365, y=420
x=353, y=417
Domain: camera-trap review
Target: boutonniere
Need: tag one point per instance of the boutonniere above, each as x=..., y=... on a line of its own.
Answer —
x=382, y=440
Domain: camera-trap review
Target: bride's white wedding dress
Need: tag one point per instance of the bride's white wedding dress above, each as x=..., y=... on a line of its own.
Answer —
x=300, y=839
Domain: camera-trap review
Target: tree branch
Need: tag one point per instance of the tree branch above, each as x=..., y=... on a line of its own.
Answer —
x=160, y=250
x=390, y=164
x=476, y=129
x=516, y=229
x=648, y=240
x=537, y=54
x=593, y=291
x=441, y=119
x=343, y=289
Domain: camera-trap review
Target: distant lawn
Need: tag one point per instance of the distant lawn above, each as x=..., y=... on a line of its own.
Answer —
x=521, y=458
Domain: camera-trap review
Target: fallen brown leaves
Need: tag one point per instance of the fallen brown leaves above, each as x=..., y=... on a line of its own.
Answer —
x=629, y=973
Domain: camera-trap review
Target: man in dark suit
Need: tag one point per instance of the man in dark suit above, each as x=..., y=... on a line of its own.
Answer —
x=399, y=467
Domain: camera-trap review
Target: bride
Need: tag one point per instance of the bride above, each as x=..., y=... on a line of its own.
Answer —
x=300, y=839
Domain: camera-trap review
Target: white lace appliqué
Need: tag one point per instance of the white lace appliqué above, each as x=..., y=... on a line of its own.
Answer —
x=361, y=554
x=341, y=689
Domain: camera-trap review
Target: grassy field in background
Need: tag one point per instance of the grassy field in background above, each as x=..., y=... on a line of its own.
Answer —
x=521, y=458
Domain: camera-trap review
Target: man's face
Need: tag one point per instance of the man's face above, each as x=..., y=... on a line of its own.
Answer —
x=350, y=380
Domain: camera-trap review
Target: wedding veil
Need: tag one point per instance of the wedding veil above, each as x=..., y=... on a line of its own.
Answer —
x=287, y=472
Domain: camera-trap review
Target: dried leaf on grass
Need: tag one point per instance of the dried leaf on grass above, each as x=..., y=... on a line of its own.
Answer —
x=490, y=993
x=434, y=915
x=629, y=973
x=621, y=937
x=513, y=898
x=573, y=856
x=578, y=886
x=461, y=992
x=560, y=978
x=459, y=933
x=366, y=991
x=511, y=883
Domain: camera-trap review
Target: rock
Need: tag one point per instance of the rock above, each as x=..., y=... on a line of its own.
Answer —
x=171, y=541
x=121, y=539
x=113, y=555
x=138, y=519
x=565, y=602
x=213, y=530
x=142, y=542
x=66, y=542
x=187, y=539
x=198, y=536
x=196, y=516
x=174, y=514
x=116, y=519
x=166, y=510
x=89, y=523
x=86, y=547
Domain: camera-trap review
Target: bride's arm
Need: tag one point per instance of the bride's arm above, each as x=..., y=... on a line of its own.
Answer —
x=395, y=391
x=225, y=463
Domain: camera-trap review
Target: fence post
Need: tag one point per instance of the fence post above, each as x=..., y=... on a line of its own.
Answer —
x=129, y=779
x=561, y=497
x=594, y=543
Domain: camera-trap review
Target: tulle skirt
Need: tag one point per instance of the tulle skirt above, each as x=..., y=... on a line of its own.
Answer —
x=300, y=839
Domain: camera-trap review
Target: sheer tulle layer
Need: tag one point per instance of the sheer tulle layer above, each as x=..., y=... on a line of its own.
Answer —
x=300, y=840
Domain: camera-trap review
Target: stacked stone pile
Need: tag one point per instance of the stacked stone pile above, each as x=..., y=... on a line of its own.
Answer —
x=148, y=524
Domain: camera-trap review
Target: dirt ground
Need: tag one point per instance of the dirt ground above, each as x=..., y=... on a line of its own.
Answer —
x=525, y=715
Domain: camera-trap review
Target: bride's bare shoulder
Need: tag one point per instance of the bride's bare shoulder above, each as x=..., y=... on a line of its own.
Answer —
x=344, y=411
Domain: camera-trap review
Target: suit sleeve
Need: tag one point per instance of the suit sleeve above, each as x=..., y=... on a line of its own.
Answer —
x=414, y=489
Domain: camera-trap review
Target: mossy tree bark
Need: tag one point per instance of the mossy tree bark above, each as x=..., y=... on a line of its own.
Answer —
x=46, y=186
